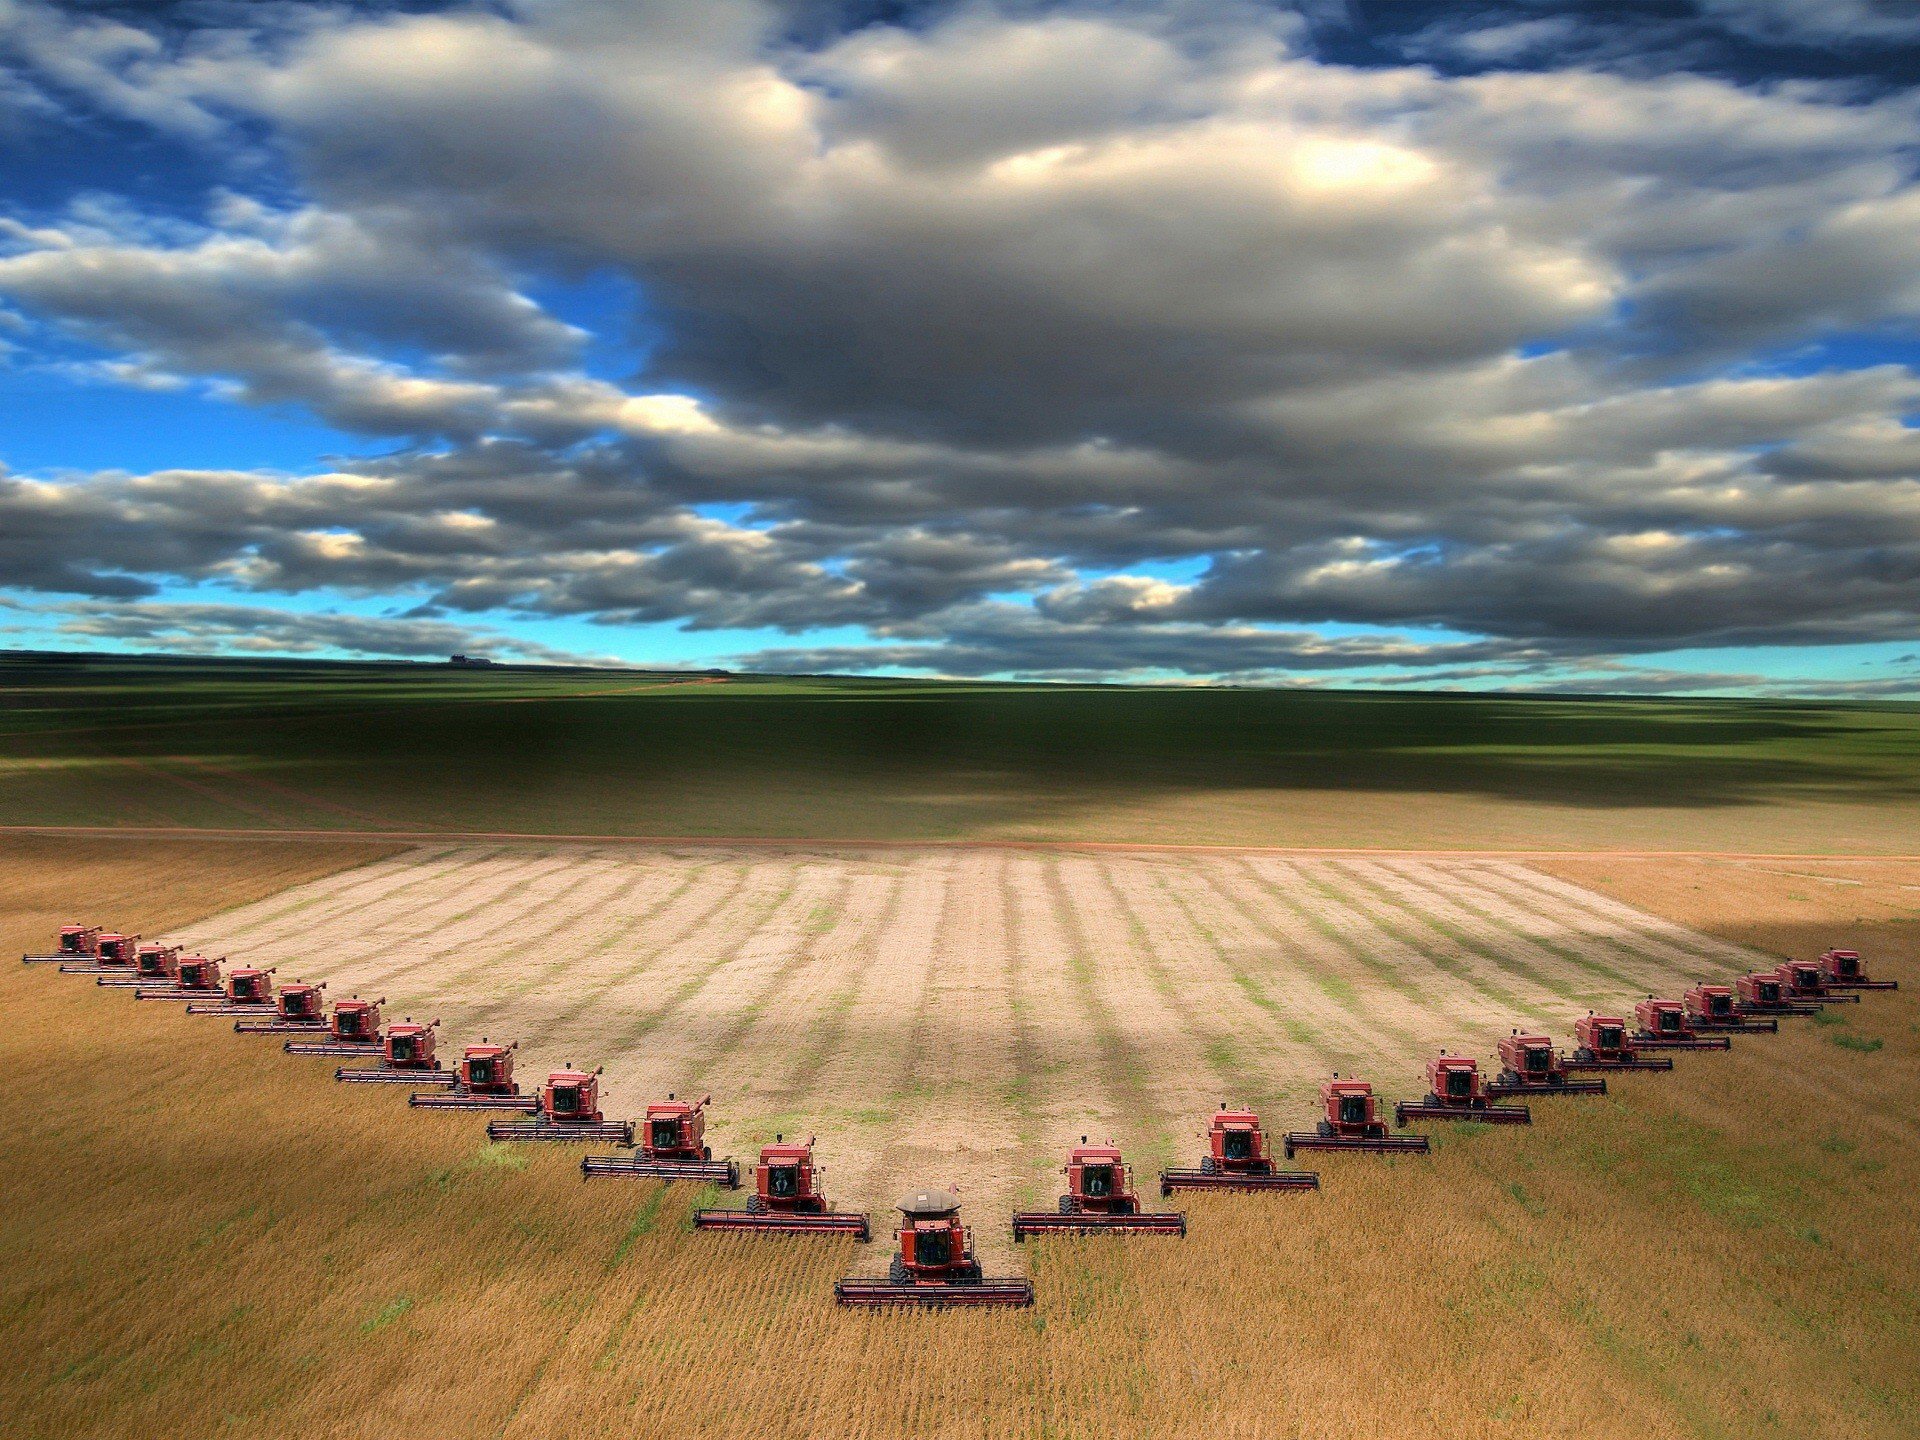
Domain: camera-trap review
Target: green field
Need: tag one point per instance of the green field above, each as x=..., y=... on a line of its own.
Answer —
x=120, y=741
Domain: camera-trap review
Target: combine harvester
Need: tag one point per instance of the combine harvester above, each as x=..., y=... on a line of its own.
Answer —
x=1804, y=981
x=934, y=1265
x=787, y=1199
x=1455, y=1092
x=1716, y=1008
x=568, y=1110
x=485, y=1082
x=296, y=1011
x=195, y=977
x=249, y=992
x=353, y=1030
x=1764, y=993
x=1350, y=1120
x=152, y=965
x=113, y=954
x=673, y=1146
x=1237, y=1158
x=1100, y=1200
x=1663, y=1026
x=406, y=1059
x=1843, y=970
x=1531, y=1066
x=1601, y=1042
x=75, y=942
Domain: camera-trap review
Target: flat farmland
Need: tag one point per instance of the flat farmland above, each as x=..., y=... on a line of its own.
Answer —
x=961, y=1016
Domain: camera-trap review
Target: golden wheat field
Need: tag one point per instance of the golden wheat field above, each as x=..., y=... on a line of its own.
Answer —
x=203, y=1236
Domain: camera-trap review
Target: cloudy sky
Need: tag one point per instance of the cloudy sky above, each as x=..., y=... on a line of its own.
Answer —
x=1526, y=344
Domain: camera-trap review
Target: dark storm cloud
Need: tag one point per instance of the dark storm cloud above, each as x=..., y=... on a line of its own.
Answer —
x=1003, y=302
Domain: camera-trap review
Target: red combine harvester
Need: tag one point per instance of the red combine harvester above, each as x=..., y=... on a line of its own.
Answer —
x=1350, y=1120
x=1663, y=1026
x=673, y=1146
x=1601, y=1042
x=1716, y=1007
x=296, y=1010
x=76, y=942
x=935, y=1264
x=195, y=977
x=113, y=954
x=1806, y=982
x=1455, y=1092
x=152, y=965
x=485, y=1082
x=787, y=1199
x=1100, y=1200
x=249, y=992
x=1764, y=993
x=569, y=1110
x=406, y=1058
x=353, y=1030
x=1237, y=1158
x=1531, y=1066
x=1844, y=971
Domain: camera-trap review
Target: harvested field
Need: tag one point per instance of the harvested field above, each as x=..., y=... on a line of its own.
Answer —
x=963, y=1016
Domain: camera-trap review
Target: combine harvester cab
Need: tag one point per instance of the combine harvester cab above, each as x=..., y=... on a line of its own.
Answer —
x=296, y=1010
x=1237, y=1158
x=113, y=954
x=152, y=965
x=934, y=1265
x=353, y=1030
x=1531, y=1066
x=75, y=942
x=1844, y=970
x=1456, y=1092
x=1806, y=983
x=673, y=1146
x=485, y=1082
x=406, y=1058
x=1764, y=993
x=1601, y=1042
x=195, y=977
x=1350, y=1120
x=788, y=1199
x=1100, y=1200
x=568, y=1110
x=1713, y=1008
x=1663, y=1026
x=249, y=992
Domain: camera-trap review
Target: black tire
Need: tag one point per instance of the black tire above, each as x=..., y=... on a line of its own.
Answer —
x=1126, y=1207
x=1069, y=1205
x=706, y=1153
x=1209, y=1166
x=1325, y=1128
x=756, y=1206
x=897, y=1272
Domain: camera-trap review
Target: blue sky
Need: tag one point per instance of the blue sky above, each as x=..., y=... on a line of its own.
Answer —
x=1559, y=346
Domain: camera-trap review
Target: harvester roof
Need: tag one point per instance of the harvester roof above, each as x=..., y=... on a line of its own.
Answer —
x=1109, y=1154
x=929, y=1205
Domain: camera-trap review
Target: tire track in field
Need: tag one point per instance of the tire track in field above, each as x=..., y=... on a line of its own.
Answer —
x=1094, y=1075
x=1555, y=890
x=1556, y=940
x=1392, y=923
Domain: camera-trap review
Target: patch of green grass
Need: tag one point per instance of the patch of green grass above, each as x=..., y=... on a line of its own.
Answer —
x=386, y=1314
x=1865, y=1045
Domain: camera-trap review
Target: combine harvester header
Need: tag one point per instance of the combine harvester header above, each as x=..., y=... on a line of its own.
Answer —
x=788, y=1198
x=1100, y=1200
x=934, y=1265
x=75, y=942
x=673, y=1146
x=1237, y=1158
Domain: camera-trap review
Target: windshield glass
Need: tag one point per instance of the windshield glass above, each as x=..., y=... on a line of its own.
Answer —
x=934, y=1247
x=1459, y=1083
x=1237, y=1145
x=1609, y=1037
x=783, y=1181
x=666, y=1134
x=566, y=1099
x=480, y=1071
x=1097, y=1181
x=1537, y=1058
